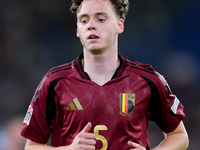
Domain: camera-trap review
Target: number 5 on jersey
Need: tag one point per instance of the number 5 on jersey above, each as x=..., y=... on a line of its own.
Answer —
x=100, y=137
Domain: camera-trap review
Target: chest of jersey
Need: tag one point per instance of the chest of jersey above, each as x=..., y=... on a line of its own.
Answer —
x=119, y=107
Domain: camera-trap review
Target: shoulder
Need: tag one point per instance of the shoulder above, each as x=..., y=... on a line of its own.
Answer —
x=53, y=76
x=147, y=72
x=138, y=66
x=57, y=73
x=60, y=71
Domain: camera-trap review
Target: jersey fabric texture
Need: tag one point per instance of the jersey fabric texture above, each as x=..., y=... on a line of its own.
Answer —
x=66, y=100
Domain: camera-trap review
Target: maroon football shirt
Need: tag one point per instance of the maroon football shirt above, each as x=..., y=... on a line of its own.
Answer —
x=66, y=100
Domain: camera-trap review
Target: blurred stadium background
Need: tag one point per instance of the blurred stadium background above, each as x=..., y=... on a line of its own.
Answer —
x=38, y=35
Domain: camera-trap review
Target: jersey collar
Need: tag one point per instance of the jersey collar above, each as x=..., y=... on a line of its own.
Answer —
x=84, y=75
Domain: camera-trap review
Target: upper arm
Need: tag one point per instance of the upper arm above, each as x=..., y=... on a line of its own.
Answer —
x=180, y=129
x=179, y=134
x=30, y=143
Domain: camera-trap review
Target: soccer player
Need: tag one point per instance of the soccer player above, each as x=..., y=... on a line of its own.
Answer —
x=101, y=100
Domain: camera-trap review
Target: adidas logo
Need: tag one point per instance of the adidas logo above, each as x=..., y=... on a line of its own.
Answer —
x=75, y=105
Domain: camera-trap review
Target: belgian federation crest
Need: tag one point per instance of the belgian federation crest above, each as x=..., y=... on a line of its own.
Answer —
x=127, y=102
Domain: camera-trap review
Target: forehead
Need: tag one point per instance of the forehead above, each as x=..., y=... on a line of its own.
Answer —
x=91, y=7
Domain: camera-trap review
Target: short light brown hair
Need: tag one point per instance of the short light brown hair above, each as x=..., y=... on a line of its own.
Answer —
x=120, y=6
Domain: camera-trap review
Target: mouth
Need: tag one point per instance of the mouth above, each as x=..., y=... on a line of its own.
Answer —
x=93, y=37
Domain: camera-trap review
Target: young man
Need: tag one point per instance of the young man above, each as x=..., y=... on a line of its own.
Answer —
x=102, y=100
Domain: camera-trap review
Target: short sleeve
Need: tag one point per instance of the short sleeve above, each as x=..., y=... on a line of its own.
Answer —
x=165, y=108
x=34, y=125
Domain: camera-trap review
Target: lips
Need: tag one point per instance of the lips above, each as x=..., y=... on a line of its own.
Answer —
x=92, y=37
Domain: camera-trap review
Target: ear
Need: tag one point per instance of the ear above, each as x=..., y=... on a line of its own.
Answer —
x=77, y=32
x=120, y=26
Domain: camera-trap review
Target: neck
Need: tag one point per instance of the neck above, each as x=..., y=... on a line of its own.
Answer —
x=100, y=67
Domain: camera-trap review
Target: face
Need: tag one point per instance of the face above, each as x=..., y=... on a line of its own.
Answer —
x=98, y=25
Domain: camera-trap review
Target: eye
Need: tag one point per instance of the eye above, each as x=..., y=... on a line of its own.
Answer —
x=84, y=21
x=101, y=19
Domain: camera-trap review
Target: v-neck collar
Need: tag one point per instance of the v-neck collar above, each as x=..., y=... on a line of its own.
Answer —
x=84, y=74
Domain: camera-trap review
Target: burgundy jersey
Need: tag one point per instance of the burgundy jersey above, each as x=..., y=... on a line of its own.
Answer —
x=66, y=100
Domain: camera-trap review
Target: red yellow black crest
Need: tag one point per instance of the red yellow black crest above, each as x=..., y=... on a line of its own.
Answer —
x=127, y=102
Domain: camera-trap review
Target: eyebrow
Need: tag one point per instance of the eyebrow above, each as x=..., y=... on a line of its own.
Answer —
x=97, y=14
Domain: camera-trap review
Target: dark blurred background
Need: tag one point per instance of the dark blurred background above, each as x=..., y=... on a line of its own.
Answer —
x=38, y=35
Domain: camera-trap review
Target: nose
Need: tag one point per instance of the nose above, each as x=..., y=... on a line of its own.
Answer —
x=91, y=28
x=91, y=25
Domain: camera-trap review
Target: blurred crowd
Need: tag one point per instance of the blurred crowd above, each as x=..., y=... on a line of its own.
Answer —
x=38, y=35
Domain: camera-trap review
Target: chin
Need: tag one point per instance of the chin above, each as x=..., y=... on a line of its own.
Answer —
x=96, y=52
x=94, y=48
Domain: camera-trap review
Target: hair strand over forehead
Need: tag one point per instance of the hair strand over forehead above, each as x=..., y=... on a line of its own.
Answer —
x=120, y=6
